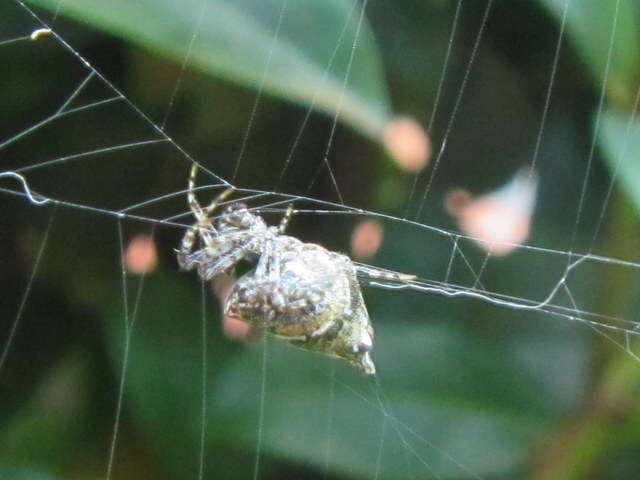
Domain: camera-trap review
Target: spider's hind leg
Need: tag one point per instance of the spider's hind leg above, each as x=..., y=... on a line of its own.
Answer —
x=368, y=274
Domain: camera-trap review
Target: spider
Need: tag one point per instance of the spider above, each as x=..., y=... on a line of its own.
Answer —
x=301, y=292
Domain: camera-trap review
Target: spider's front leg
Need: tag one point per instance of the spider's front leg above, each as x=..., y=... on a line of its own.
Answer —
x=187, y=259
x=212, y=263
x=203, y=227
x=186, y=247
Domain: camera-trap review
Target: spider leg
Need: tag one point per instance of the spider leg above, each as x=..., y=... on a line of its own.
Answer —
x=202, y=214
x=216, y=201
x=207, y=269
x=189, y=238
x=194, y=205
x=368, y=273
x=264, y=268
x=188, y=241
x=259, y=282
x=285, y=219
x=202, y=227
x=267, y=276
x=188, y=259
x=322, y=330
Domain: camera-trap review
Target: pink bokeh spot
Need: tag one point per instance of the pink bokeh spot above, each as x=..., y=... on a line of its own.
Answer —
x=141, y=255
x=500, y=221
x=233, y=328
x=407, y=143
x=236, y=329
x=366, y=239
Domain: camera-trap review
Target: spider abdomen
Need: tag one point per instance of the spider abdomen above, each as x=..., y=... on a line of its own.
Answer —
x=308, y=293
x=310, y=298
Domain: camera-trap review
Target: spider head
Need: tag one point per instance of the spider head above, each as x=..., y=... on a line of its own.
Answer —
x=238, y=216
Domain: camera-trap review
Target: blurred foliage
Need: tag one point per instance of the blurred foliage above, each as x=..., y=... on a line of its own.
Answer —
x=308, y=50
x=592, y=24
x=504, y=394
x=620, y=139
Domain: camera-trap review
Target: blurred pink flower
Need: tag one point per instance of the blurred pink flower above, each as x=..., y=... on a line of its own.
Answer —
x=141, y=255
x=498, y=221
x=407, y=143
x=456, y=200
x=237, y=329
x=366, y=239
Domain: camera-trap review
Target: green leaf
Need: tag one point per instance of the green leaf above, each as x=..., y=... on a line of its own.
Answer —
x=26, y=473
x=163, y=383
x=454, y=406
x=237, y=40
x=589, y=24
x=45, y=432
x=452, y=399
x=620, y=142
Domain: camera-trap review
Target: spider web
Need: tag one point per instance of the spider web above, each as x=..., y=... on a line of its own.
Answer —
x=100, y=204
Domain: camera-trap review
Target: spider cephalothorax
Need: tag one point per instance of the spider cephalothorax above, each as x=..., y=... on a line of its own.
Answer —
x=300, y=292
